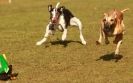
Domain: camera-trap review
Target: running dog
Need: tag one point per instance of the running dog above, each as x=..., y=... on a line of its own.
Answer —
x=61, y=18
x=112, y=25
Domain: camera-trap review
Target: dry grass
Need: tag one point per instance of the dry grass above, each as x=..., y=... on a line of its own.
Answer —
x=23, y=24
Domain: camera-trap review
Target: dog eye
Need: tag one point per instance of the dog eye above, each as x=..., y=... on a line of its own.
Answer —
x=112, y=20
x=104, y=20
x=51, y=10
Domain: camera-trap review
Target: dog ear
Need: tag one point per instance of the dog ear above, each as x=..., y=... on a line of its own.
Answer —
x=62, y=8
x=50, y=8
x=114, y=14
x=105, y=14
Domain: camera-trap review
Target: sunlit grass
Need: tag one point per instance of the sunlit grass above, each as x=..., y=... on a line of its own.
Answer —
x=23, y=23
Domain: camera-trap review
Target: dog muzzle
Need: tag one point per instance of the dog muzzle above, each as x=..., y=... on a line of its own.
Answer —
x=52, y=27
x=55, y=20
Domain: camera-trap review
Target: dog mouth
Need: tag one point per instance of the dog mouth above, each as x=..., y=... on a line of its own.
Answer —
x=52, y=27
x=109, y=28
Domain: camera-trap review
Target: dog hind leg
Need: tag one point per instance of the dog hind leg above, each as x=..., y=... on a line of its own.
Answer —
x=76, y=22
x=123, y=26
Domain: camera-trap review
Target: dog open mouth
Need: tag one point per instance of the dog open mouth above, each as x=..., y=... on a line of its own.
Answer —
x=109, y=29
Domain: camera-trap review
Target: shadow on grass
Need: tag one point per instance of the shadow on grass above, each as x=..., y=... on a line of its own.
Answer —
x=111, y=56
x=64, y=43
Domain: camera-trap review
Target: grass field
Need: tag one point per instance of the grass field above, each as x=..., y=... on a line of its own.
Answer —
x=23, y=22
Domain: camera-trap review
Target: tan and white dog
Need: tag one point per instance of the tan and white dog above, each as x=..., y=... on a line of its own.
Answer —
x=112, y=25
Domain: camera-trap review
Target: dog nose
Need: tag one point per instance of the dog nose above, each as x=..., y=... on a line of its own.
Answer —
x=54, y=21
x=107, y=24
x=107, y=27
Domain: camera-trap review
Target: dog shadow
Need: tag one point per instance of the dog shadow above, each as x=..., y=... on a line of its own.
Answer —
x=64, y=43
x=109, y=57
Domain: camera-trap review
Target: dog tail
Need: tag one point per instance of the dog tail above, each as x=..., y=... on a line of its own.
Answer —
x=124, y=10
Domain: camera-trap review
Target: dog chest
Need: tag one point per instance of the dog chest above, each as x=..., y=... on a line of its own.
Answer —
x=61, y=20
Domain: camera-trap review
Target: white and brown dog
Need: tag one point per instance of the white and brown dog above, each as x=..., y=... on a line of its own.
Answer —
x=112, y=25
x=61, y=18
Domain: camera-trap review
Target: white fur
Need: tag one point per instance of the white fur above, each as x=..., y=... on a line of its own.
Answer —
x=76, y=22
x=100, y=37
x=45, y=36
x=62, y=25
x=64, y=35
x=54, y=11
x=57, y=5
x=117, y=48
x=62, y=21
x=53, y=14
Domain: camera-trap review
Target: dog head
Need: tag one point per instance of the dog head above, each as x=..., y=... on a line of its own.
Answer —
x=110, y=20
x=55, y=13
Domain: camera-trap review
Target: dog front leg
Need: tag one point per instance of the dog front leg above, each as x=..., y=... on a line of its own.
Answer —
x=45, y=36
x=118, y=41
x=64, y=35
x=117, y=47
x=100, y=37
x=60, y=28
x=106, y=40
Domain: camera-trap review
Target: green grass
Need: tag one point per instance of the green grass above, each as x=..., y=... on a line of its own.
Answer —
x=23, y=23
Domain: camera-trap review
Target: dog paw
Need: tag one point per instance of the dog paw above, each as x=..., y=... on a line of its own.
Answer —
x=38, y=43
x=98, y=43
x=84, y=42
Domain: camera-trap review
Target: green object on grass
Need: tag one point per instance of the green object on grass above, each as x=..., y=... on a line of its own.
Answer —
x=3, y=64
